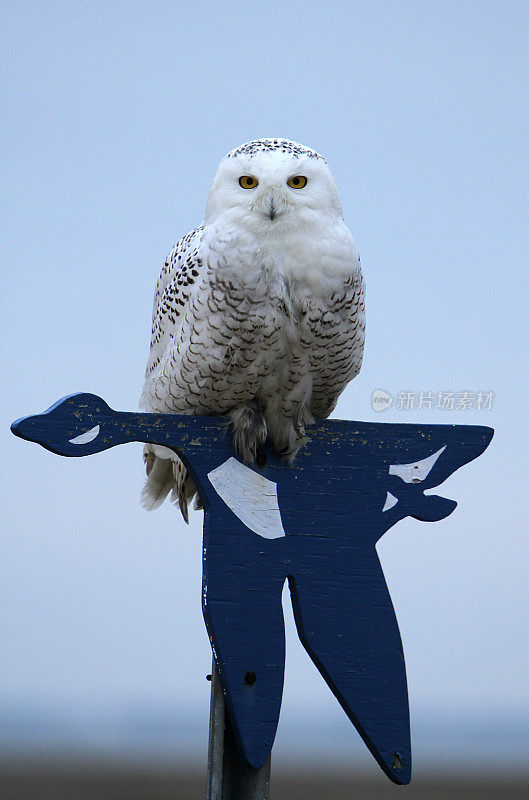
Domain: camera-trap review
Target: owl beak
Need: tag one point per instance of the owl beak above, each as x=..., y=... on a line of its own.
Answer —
x=271, y=207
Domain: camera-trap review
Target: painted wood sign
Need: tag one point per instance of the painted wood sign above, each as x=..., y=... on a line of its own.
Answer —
x=314, y=523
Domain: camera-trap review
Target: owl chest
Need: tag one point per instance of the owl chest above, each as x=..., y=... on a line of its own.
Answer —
x=249, y=326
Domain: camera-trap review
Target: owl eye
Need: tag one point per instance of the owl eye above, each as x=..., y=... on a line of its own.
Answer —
x=297, y=182
x=248, y=182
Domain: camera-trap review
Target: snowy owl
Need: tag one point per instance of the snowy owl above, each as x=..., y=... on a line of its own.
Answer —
x=259, y=313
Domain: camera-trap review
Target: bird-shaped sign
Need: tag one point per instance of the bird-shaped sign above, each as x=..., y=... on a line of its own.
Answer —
x=314, y=522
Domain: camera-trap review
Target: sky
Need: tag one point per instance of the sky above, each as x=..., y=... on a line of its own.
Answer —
x=115, y=116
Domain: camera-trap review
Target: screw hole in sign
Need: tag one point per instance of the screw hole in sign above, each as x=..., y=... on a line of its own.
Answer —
x=398, y=763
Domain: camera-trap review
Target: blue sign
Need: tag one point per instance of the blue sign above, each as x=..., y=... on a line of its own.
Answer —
x=314, y=523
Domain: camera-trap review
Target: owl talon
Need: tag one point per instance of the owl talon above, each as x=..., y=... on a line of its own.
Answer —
x=260, y=457
x=249, y=431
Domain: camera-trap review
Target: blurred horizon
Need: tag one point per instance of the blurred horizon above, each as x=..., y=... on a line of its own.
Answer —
x=158, y=735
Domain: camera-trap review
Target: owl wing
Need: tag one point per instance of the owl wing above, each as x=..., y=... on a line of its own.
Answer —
x=338, y=347
x=165, y=472
x=179, y=273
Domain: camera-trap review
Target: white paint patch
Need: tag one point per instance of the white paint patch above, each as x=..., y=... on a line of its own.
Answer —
x=416, y=471
x=391, y=501
x=251, y=497
x=84, y=438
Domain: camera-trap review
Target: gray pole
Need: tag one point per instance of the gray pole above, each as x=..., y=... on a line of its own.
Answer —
x=229, y=778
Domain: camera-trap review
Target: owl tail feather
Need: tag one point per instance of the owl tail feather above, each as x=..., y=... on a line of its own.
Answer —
x=159, y=481
x=166, y=474
x=183, y=489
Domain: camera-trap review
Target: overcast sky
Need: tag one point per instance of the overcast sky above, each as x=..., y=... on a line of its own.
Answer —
x=115, y=118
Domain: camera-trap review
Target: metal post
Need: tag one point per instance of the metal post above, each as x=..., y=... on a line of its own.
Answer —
x=229, y=778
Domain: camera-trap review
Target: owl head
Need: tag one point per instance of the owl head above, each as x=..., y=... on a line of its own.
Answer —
x=269, y=184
